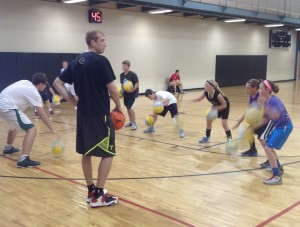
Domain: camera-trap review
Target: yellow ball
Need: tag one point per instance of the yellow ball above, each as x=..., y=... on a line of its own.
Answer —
x=232, y=146
x=246, y=134
x=57, y=148
x=127, y=85
x=56, y=100
x=158, y=107
x=120, y=91
x=252, y=116
x=211, y=114
x=149, y=120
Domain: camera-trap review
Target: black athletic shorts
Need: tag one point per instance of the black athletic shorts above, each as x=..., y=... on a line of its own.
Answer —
x=172, y=108
x=129, y=102
x=264, y=131
x=223, y=114
x=95, y=136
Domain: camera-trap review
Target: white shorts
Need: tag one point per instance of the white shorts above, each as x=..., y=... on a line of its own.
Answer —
x=16, y=119
x=70, y=89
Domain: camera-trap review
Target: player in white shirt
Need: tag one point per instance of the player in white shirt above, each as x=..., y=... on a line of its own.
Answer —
x=170, y=104
x=15, y=99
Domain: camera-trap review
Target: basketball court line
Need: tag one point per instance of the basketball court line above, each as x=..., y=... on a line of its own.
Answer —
x=121, y=199
x=202, y=148
x=162, y=214
x=74, y=181
x=140, y=178
x=278, y=214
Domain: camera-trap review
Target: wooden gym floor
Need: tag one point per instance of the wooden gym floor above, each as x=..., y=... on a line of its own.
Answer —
x=161, y=180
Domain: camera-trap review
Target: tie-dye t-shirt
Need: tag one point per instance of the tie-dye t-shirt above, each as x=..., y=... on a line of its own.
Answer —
x=274, y=105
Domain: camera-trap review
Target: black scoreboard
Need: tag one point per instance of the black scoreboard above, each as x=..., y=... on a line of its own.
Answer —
x=280, y=39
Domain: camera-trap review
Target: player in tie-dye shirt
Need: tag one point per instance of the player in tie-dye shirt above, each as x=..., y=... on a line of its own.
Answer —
x=283, y=126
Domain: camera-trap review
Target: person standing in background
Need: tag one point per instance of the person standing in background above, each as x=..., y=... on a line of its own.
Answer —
x=69, y=87
x=130, y=97
x=64, y=65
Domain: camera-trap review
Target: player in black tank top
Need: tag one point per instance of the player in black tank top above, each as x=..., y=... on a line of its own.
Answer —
x=220, y=103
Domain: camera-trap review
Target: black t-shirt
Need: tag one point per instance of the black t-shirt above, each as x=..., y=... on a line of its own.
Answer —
x=46, y=91
x=134, y=79
x=214, y=100
x=90, y=73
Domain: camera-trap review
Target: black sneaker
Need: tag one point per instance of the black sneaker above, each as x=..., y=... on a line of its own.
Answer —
x=250, y=152
x=265, y=164
x=27, y=163
x=10, y=150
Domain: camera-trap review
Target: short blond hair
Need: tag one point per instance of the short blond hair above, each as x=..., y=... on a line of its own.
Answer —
x=92, y=35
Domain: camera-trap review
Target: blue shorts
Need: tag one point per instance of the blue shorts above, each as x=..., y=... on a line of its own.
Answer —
x=279, y=135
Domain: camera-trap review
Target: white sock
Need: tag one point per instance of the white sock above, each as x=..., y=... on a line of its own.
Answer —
x=23, y=156
x=8, y=146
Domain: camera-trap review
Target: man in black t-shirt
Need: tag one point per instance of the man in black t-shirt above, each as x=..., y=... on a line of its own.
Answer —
x=130, y=97
x=93, y=78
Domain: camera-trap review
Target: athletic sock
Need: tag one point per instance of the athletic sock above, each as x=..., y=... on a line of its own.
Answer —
x=91, y=187
x=207, y=133
x=228, y=134
x=98, y=192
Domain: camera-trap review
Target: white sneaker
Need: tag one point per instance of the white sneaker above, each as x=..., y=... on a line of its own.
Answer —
x=128, y=124
x=133, y=126
x=181, y=133
x=274, y=180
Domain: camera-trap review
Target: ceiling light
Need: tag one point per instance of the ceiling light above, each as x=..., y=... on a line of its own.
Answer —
x=234, y=20
x=159, y=11
x=297, y=29
x=273, y=25
x=74, y=1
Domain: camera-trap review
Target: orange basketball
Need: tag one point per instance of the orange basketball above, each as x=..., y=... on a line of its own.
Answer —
x=118, y=119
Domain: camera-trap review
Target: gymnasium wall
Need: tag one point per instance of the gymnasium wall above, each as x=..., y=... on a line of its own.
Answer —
x=17, y=66
x=156, y=45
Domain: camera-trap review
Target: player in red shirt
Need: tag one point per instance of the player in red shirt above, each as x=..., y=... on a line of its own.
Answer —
x=175, y=81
